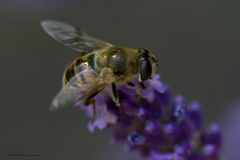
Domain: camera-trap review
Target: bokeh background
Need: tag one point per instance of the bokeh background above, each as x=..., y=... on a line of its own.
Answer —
x=197, y=43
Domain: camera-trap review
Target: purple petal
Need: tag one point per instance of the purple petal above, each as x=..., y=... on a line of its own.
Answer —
x=165, y=156
x=195, y=114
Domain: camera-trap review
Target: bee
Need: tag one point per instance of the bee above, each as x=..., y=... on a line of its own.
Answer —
x=99, y=64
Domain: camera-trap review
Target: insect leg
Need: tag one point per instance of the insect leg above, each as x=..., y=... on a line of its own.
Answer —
x=115, y=94
x=130, y=84
x=93, y=103
x=136, y=87
x=142, y=84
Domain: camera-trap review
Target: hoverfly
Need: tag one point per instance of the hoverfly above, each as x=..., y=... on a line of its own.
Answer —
x=99, y=64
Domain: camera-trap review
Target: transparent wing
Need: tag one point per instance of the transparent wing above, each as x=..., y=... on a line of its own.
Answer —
x=82, y=86
x=73, y=37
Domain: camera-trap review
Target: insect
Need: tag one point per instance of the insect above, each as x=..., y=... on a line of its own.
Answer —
x=98, y=65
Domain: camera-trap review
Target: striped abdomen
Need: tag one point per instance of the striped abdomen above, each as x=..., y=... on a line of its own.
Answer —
x=77, y=66
x=71, y=70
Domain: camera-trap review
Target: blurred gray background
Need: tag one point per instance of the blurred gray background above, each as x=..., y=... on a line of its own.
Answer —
x=197, y=43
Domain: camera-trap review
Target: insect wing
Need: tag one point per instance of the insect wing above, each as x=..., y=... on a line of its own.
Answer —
x=73, y=37
x=82, y=86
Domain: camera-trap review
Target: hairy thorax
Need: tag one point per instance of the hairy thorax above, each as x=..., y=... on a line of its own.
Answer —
x=122, y=61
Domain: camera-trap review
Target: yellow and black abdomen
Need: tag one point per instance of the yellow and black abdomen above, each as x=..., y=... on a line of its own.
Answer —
x=71, y=70
x=77, y=66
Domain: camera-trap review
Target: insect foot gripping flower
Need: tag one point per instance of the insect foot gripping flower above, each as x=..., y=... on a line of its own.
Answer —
x=156, y=125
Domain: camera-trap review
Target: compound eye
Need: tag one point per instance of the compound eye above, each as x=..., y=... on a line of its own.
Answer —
x=145, y=69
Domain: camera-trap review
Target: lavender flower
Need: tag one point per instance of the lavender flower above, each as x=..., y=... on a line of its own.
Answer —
x=231, y=129
x=157, y=125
